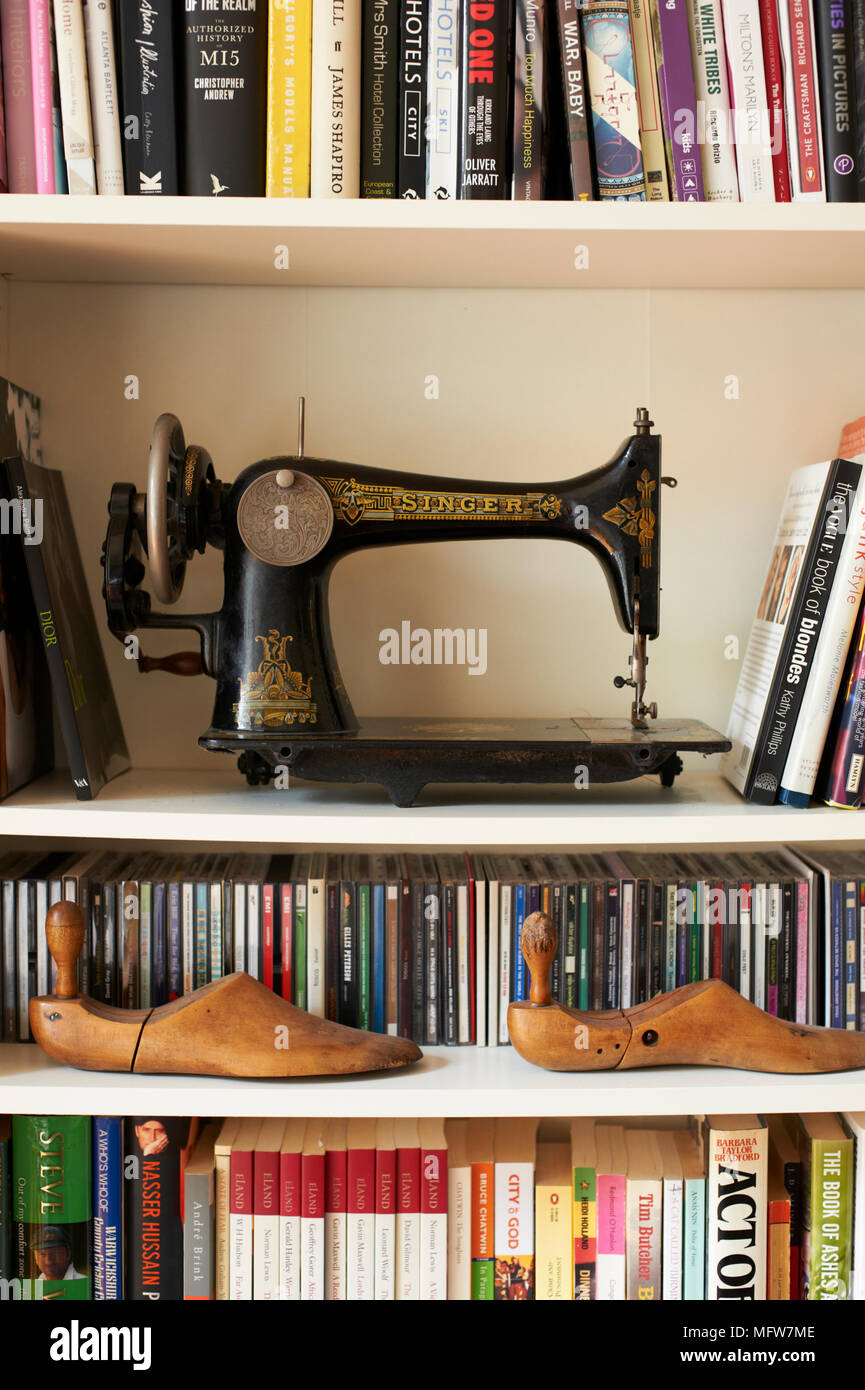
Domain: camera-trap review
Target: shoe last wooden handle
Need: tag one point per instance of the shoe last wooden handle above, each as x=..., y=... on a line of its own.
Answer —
x=539, y=941
x=64, y=928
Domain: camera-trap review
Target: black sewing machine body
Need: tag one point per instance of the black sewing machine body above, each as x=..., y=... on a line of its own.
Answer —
x=284, y=524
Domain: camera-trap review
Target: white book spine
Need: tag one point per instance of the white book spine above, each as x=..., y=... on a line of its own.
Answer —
x=408, y=1255
x=481, y=1034
x=459, y=1268
x=239, y=926
x=434, y=1247
x=823, y=681
x=745, y=981
x=335, y=137
x=443, y=99
x=187, y=917
x=315, y=948
x=506, y=898
x=643, y=1204
x=240, y=1255
x=360, y=1252
x=104, y=96
x=671, y=1258
x=336, y=1239
x=74, y=96
x=289, y=1258
x=265, y=1257
x=758, y=917
x=463, y=1009
x=610, y=1278
x=627, y=945
x=714, y=121
x=736, y=1218
x=312, y=1239
x=748, y=99
x=798, y=53
x=22, y=918
x=385, y=1256
x=253, y=922
x=41, y=939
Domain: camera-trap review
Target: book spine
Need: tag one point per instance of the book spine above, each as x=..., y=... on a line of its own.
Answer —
x=175, y=943
x=363, y=957
x=61, y=183
x=221, y=1185
x=154, y=1248
x=335, y=137
x=529, y=123
x=268, y=927
x=694, y=1239
x=159, y=940
x=830, y=1225
x=576, y=115
x=104, y=103
x=857, y=11
x=43, y=98
x=408, y=1224
x=485, y=98
x=745, y=954
x=843, y=783
x=361, y=1217
x=612, y=86
x=51, y=1184
x=736, y=1230
x=187, y=907
x=749, y=100
x=505, y=937
x=18, y=96
x=611, y=1196
x=678, y=98
x=289, y=1266
x=223, y=63
x=198, y=1251
x=801, y=634
x=266, y=1226
x=835, y=75
x=385, y=1225
x=379, y=959
x=286, y=926
x=347, y=1006
x=712, y=88
x=379, y=98
x=773, y=63
x=612, y=948
x=626, y=992
x=6, y=1270
x=459, y=1207
x=107, y=1208
x=449, y=961
x=392, y=941
x=312, y=1228
x=851, y=954
x=463, y=961
x=514, y=1231
x=289, y=95
x=412, y=80
x=202, y=944
x=673, y=1225
x=483, y=1231
x=75, y=97
x=585, y=1223
x=520, y=913
x=240, y=1218
x=148, y=91
x=802, y=101
x=315, y=945
x=643, y=1248
x=405, y=1012
x=649, y=104
x=336, y=1225
x=434, y=1225
x=333, y=952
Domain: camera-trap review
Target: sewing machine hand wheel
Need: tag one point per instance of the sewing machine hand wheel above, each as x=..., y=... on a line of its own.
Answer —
x=175, y=475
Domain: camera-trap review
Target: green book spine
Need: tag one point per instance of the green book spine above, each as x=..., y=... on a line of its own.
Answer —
x=363, y=947
x=51, y=1183
x=831, y=1220
x=300, y=993
x=5, y=1204
x=583, y=981
x=585, y=1234
x=694, y=1242
x=202, y=953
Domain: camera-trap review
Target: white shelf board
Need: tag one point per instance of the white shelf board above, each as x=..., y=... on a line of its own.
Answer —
x=217, y=807
x=447, y=1082
x=399, y=242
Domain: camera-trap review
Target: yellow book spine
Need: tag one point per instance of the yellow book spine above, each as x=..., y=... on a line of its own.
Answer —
x=289, y=98
x=554, y=1265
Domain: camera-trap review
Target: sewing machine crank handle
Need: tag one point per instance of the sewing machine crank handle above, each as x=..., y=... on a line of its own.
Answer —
x=702, y=1024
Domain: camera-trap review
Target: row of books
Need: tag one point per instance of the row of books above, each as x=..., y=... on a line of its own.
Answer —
x=797, y=724
x=428, y=946
x=689, y=100
x=726, y=1207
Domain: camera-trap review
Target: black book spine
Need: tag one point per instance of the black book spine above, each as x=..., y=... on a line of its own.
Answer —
x=332, y=952
x=54, y=655
x=819, y=568
x=598, y=962
x=404, y=962
x=644, y=931
x=149, y=110
x=857, y=16
x=97, y=944
x=570, y=54
x=411, y=123
x=835, y=73
x=485, y=98
x=530, y=107
x=432, y=961
x=786, y=992
x=611, y=947
x=154, y=1228
x=571, y=946
x=449, y=943
x=418, y=964
x=558, y=966
x=224, y=100
x=659, y=944
x=109, y=937
x=379, y=98
x=348, y=1011
x=730, y=974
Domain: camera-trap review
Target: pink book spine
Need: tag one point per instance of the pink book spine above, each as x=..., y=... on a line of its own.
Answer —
x=802, y=953
x=43, y=94
x=18, y=96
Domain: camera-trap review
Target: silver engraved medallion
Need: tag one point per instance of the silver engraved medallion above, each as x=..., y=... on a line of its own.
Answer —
x=285, y=525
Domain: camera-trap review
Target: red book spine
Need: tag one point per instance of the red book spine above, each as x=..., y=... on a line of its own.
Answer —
x=807, y=103
x=241, y=1192
x=773, y=65
x=361, y=1182
x=336, y=1182
x=266, y=1190
x=289, y=1184
x=361, y=1203
x=312, y=1187
x=434, y=1182
x=241, y=1188
x=287, y=951
x=385, y=1182
x=267, y=934
x=408, y=1181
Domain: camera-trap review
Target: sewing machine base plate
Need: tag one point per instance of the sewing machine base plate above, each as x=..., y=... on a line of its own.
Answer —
x=404, y=755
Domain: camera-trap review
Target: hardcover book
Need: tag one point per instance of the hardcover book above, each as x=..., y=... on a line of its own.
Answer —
x=649, y=100
x=51, y=1178
x=74, y=97
x=223, y=64
x=411, y=122
x=156, y=1152
x=773, y=62
x=716, y=135
x=149, y=108
x=576, y=113
x=802, y=101
x=749, y=100
x=612, y=83
x=379, y=96
x=485, y=98
x=670, y=32
x=18, y=96
x=289, y=98
x=737, y=1154
x=833, y=32
x=335, y=136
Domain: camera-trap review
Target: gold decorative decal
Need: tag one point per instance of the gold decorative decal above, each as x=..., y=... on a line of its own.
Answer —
x=637, y=518
x=353, y=500
x=274, y=695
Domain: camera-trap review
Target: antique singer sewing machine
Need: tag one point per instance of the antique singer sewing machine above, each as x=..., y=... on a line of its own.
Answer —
x=284, y=523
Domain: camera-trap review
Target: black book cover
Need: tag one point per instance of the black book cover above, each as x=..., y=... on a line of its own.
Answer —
x=612, y=978
x=573, y=91
x=148, y=113
x=411, y=118
x=531, y=107
x=557, y=970
x=833, y=31
x=26, y=737
x=156, y=1149
x=857, y=17
x=598, y=944
x=418, y=957
x=379, y=98
x=731, y=937
x=331, y=951
x=571, y=946
x=404, y=956
x=348, y=975
x=643, y=927
x=659, y=932
x=223, y=99
x=786, y=982
x=819, y=568
x=486, y=98
x=433, y=965
x=449, y=961
x=82, y=690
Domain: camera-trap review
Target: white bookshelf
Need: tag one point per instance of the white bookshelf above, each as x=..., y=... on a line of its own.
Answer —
x=536, y=382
